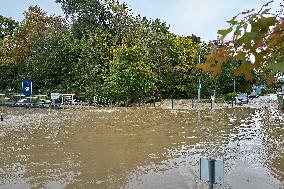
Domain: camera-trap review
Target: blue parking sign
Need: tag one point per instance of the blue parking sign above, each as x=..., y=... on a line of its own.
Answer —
x=27, y=87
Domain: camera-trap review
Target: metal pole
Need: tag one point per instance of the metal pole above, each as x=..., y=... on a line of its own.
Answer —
x=211, y=168
x=234, y=85
x=53, y=103
x=198, y=90
x=211, y=103
x=192, y=105
x=2, y=117
x=172, y=103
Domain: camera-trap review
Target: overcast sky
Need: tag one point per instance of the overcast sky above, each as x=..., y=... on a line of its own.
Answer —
x=185, y=17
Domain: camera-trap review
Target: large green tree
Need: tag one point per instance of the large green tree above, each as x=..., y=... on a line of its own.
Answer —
x=131, y=76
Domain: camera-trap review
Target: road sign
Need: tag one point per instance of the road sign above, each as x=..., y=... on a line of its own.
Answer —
x=218, y=171
x=54, y=96
x=27, y=87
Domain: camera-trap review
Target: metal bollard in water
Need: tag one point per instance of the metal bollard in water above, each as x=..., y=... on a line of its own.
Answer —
x=192, y=105
x=172, y=103
x=2, y=117
x=211, y=104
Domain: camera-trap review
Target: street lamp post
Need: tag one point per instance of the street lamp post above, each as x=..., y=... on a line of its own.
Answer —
x=198, y=90
x=199, y=84
x=234, y=85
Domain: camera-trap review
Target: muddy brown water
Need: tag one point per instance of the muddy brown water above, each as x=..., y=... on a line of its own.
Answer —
x=137, y=148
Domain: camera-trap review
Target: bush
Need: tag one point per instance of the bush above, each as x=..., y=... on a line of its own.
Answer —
x=230, y=96
x=268, y=91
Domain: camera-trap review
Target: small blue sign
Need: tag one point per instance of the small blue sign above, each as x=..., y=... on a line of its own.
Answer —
x=27, y=87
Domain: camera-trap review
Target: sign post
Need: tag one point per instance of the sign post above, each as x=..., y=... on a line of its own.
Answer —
x=212, y=171
x=53, y=97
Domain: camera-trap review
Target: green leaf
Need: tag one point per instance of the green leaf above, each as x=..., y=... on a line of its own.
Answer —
x=262, y=24
x=233, y=22
x=248, y=37
x=224, y=33
x=277, y=67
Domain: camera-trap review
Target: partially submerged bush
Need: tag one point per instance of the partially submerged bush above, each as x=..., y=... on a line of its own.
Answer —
x=230, y=96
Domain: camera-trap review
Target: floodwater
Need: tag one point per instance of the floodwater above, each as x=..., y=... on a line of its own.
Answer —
x=140, y=148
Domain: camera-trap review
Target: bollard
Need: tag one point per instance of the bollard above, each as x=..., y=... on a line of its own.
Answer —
x=2, y=117
x=211, y=104
x=212, y=171
x=192, y=105
x=172, y=103
x=154, y=102
x=211, y=168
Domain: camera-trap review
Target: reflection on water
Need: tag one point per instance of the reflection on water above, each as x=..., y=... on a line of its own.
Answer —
x=140, y=148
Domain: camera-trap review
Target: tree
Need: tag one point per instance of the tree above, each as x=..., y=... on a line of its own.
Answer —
x=8, y=26
x=53, y=68
x=256, y=39
x=25, y=42
x=88, y=16
x=92, y=69
x=131, y=76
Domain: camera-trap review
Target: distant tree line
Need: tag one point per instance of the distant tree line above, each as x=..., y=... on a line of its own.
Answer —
x=100, y=48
